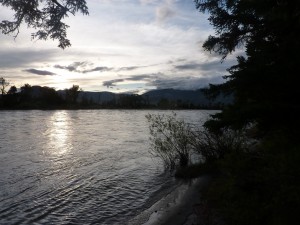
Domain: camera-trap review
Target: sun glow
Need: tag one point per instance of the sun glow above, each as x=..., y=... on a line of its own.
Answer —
x=60, y=133
x=60, y=82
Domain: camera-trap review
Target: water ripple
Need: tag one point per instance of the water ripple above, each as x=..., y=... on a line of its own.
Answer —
x=77, y=167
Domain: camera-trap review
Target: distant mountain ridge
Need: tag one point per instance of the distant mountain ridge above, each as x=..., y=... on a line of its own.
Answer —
x=37, y=97
x=159, y=96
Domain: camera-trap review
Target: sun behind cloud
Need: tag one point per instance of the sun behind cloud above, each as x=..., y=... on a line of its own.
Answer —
x=60, y=82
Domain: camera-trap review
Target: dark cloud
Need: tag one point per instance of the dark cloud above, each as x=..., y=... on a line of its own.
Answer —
x=142, y=77
x=74, y=67
x=216, y=65
x=98, y=68
x=69, y=68
x=85, y=67
x=132, y=92
x=40, y=72
x=161, y=81
x=190, y=66
x=16, y=58
x=211, y=67
x=128, y=68
x=185, y=83
x=81, y=67
x=111, y=83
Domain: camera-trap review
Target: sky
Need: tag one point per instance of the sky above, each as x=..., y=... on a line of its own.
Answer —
x=121, y=46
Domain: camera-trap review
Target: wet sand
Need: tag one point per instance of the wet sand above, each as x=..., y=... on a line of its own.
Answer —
x=176, y=208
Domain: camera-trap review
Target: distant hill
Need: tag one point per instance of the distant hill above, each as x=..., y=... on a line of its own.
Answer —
x=98, y=97
x=37, y=97
x=159, y=98
x=195, y=97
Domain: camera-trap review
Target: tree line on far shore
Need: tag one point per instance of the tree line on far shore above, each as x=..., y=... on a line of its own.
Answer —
x=37, y=97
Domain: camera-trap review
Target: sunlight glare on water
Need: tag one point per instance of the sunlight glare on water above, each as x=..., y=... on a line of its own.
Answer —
x=79, y=167
x=59, y=130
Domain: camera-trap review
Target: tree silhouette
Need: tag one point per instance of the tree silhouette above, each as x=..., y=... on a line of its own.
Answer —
x=26, y=90
x=46, y=16
x=49, y=97
x=3, y=85
x=264, y=81
x=12, y=90
x=72, y=94
x=258, y=184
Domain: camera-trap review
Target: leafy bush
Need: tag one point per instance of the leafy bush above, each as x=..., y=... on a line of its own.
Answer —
x=174, y=140
x=212, y=146
x=171, y=139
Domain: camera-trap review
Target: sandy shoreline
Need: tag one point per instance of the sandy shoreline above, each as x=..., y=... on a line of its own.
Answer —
x=175, y=208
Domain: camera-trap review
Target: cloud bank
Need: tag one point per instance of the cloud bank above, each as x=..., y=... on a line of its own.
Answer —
x=40, y=72
x=128, y=45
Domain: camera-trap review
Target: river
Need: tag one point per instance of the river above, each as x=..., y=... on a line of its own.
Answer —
x=80, y=166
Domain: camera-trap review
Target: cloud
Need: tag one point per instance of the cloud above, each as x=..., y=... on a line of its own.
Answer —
x=81, y=67
x=174, y=61
x=162, y=81
x=40, y=72
x=210, y=68
x=146, y=2
x=215, y=65
x=142, y=77
x=165, y=11
x=131, y=44
x=190, y=66
x=74, y=67
x=111, y=83
x=98, y=68
x=12, y=58
x=128, y=68
x=185, y=83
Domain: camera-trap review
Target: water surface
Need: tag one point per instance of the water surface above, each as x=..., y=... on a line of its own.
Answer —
x=79, y=167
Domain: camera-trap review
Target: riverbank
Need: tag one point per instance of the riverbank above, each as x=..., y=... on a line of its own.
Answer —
x=176, y=208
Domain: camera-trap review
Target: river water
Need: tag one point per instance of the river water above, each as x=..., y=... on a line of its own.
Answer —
x=79, y=167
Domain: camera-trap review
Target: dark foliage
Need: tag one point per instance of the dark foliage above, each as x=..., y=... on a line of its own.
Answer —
x=259, y=186
x=264, y=81
x=46, y=16
x=72, y=93
x=3, y=84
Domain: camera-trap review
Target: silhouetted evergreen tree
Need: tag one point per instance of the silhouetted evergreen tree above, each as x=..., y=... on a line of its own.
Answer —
x=264, y=81
x=258, y=185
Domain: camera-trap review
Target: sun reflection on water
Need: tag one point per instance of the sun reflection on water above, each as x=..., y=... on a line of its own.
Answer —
x=60, y=132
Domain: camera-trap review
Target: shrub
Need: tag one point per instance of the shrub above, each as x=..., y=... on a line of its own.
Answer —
x=212, y=146
x=170, y=139
x=174, y=140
